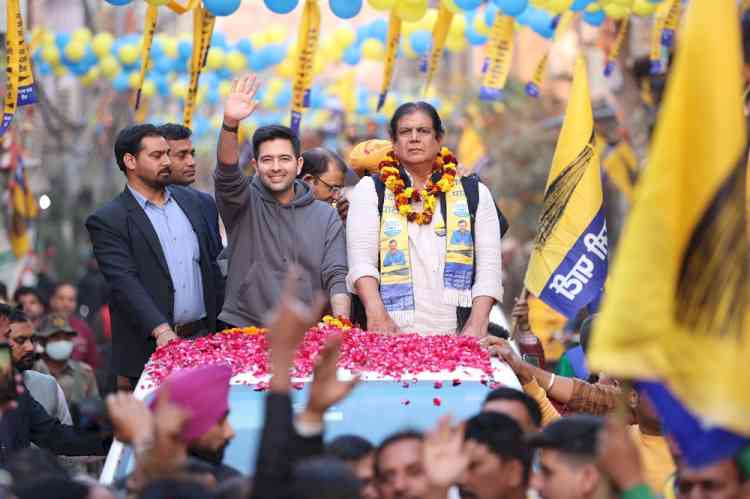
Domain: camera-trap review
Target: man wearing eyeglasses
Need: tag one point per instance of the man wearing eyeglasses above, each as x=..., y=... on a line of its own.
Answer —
x=328, y=176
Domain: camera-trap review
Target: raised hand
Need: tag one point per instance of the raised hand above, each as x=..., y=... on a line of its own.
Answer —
x=326, y=389
x=131, y=419
x=240, y=102
x=446, y=455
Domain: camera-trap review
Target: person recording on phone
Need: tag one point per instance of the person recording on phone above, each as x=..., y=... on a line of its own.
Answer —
x=28, y=422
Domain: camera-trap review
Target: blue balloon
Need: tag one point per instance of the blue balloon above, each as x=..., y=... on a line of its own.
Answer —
x=317, y=97
x=224, y=74
x=212, y=96
x=257, y=60
x=218, y=40
x=379, y=30
x=541, y=22
x=468, y=4
x=281, y=6
x=284, y=97
x=353, y=54
x=274, y=54
x=43, y=68
x=512, y=7
x=89, y=57
x=245, y=46
x=526, y=16
x=162, y=86
x=184, y=49
x=164, y=65
x=119, y=2
x=474, y=37
x=420, y=42
x=345, y=9
x=121, y=83
x=490, y=13
x=221, y=7
x=363, y=33
x=61, y=40
x=594, y=18
x=579, y=5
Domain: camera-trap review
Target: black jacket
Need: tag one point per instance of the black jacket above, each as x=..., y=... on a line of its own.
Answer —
x=215, y=246
x=29, y=422
x=142, y=294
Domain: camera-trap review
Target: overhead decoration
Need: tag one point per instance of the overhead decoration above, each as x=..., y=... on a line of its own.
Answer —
x=149, y=27
x=20, y=81
x=394, y=35
x=534, y=86
x=203, y=28
x=498, y=58
x=439, y=34
x=614, y=52
x=307, y=43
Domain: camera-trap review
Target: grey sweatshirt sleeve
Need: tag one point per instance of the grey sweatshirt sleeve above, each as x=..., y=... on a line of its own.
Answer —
x=231, y=189
x=334, y=268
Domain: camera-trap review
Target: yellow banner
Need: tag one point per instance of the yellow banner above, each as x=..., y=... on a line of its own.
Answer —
x=439, y=34
x=20, y=82
x=498, y=58
x=394, y=35
x=149, y=26
x=614, y=51
x=203, y=28
x=307, y=44
x=621, y=166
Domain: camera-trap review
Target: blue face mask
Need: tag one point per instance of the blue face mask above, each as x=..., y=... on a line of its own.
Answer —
x=59, y=350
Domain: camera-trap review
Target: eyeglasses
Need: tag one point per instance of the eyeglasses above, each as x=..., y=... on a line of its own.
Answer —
x=335, y=189
x=422, y=131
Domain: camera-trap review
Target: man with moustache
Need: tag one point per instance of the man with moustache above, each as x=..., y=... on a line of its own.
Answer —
x=152, y=244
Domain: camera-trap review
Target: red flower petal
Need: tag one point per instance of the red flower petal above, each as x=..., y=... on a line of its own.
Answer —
x=436, y=402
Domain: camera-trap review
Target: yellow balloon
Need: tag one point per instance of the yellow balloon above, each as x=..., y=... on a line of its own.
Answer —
x=458, y=26
x=428, y=21
x=148, y=89
x=179, y=89
x=157, y=3
x=258, y=40
x=215, y=58
x=451, y=6
x=318, y=65
x=109, y=66
x=593, y=7
x=274, y=86
x=75, y=50
x=235, y=61
x=408, y=51
x=133, y=79
x=90, y=77
x=51, y=54
x=82, y=34
x=643, y=8
x=224, y=88
x=102, y=44
x=381, y=4
x=170, y=47
x=59, y=70
x=286, y=68
x=373, y=49
x=559, y=6
x=455, y=44
x=480, y=27
x=344, y=34
x=411, y=10
x=128, y=54
x=616, y=11
x=276, y=34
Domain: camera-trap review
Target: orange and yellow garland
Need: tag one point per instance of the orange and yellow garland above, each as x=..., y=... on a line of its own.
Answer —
x=445, y=162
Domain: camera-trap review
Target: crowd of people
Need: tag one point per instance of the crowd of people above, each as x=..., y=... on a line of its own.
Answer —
x=413, y=247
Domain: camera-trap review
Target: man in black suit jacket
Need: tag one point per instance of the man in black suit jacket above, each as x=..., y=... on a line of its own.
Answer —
x=153, y=245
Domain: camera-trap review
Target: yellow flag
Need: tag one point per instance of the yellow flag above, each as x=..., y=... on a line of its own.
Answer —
x=439, y=35
x=307, y=44
x=614, y=51
x=621, y=166
x=497, y=59
x=203, y=28
x=394, y=35
x=568, y=264
x=471, y=150
x=676, y=309
x=20, y=90
x=149, y=26
x=534, y=87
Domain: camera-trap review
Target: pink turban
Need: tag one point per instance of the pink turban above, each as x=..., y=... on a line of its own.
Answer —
x=203, y=391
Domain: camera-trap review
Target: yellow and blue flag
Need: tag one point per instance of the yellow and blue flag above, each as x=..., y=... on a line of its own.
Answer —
x=568, y=264
x=676, y=310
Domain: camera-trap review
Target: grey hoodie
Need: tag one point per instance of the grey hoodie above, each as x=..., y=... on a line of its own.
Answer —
x=266, y=237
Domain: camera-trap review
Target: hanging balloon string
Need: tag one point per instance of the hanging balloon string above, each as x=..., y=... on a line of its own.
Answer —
x=394, y=36
x=307, y=42
x=439, y=34
x=149, y=27
x=20, y=83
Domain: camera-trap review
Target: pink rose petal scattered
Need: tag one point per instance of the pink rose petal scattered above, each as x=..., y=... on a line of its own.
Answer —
x=438, y=385
x=436, y=402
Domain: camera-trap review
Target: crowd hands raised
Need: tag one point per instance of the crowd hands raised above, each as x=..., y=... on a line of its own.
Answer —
x=168, y=275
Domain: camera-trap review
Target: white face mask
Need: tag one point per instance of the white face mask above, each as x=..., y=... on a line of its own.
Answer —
x=59, y=350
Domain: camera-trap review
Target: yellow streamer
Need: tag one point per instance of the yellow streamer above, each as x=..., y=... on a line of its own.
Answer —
x=498, y=58
x=203, y=28
x=439, y=34
x=149, y=26
x=394, y=35
x=614, y=51
x=307, y=44
x=20, y=82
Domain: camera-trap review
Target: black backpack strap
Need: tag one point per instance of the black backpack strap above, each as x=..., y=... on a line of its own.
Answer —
x=380, y=190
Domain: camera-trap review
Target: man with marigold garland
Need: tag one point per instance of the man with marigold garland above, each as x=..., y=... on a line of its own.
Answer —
x=447, y=228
